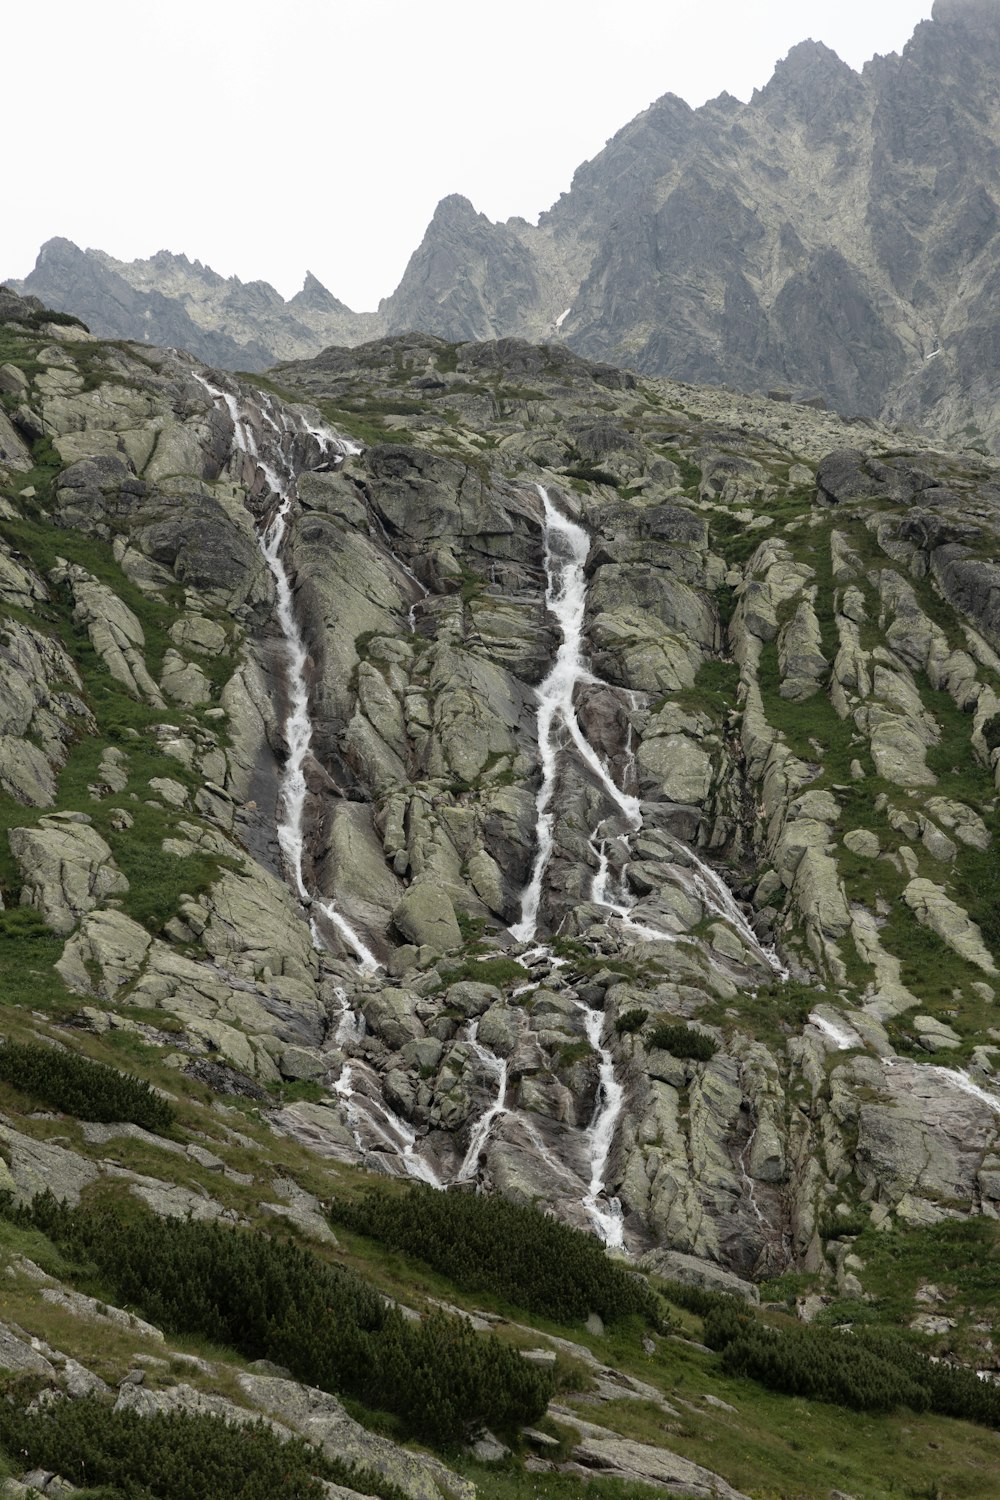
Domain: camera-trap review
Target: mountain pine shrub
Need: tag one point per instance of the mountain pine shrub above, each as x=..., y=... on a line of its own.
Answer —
x=866, y=1370
x=171, y=1456
x=485, y=1244
x=77, y=1086
x=272, y=1299
x=681, y=1042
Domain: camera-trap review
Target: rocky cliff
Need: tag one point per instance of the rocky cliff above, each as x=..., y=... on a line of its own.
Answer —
x=835, y=236
x=478, y=765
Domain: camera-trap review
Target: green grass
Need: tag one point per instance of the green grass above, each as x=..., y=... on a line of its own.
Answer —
x=156, y=879
x=770, y=1014
x=495, y=971
x=960, y=1257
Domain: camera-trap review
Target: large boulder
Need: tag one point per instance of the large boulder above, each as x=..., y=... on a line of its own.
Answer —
x=66, y=869
x=932, y=906
x=426, y=916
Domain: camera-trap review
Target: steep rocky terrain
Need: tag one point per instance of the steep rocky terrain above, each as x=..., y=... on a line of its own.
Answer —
x=308, y=684
x=835, y=236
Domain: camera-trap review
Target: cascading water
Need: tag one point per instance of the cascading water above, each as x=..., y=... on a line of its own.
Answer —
x=605, y=1213
x=747, y=1181
x=423, y=592
x=844, y=1038
x=298, y=722
x=566, y=549
x=497, y=1067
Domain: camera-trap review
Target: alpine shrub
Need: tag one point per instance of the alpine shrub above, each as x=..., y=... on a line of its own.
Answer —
x=172, y=1456
x=865, y=1370
x=681, y=1042
x=272, y=1299
x=485, y=1244
x=77, y=1086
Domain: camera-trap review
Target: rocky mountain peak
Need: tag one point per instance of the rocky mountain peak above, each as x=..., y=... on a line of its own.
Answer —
x=456, y=212
x=826, y=238
x=808, y=59
x=814, y=84
x=979, y=16
x=59, y=251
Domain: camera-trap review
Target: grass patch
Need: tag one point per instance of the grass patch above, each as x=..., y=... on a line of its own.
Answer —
x=495, y=971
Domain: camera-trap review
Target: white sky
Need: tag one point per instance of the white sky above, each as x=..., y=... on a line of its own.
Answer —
x=266, y=140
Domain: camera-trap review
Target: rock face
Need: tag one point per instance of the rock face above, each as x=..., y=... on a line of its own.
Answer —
x=769, y=787
x=835, y=236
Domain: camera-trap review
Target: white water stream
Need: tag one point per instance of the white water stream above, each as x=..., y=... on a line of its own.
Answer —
x=566, y=549
x=844, y=1038
x=605, y=1213
x=497, y=1068
x=298, y=721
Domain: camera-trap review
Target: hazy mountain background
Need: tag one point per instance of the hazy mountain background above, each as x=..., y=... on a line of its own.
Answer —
x=835, y=236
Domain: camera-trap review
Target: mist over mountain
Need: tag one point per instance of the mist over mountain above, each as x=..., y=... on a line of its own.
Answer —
x=835, y=236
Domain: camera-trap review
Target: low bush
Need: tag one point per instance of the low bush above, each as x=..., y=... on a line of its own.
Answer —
x=271, y=1299
x=866, y=1370
x=680, y=1041
x=631, y=1022
x=77, y=1086
x=485, y=1244
x=697, y=1299
x=171, y=1456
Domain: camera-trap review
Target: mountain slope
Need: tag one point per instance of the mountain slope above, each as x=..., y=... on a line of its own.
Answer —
x=747, y=1033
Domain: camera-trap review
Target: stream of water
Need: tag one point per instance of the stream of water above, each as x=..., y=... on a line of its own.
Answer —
x=497, y=1068
x=298, y=721
x=566, y=548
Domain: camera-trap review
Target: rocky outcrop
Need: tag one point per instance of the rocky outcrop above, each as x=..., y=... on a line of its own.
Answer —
x=66, y=869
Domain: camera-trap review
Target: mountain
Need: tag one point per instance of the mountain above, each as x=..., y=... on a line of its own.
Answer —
x=836, y=237
x=172, y=301
x=463, y=777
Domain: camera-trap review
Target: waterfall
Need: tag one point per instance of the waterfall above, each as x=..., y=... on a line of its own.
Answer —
x=497, y=1066
x=566, y=548
x=843, y=1037
x=298, y=721
x=605, y=1213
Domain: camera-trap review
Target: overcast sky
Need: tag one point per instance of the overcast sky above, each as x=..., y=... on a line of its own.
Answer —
x=266, y=140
